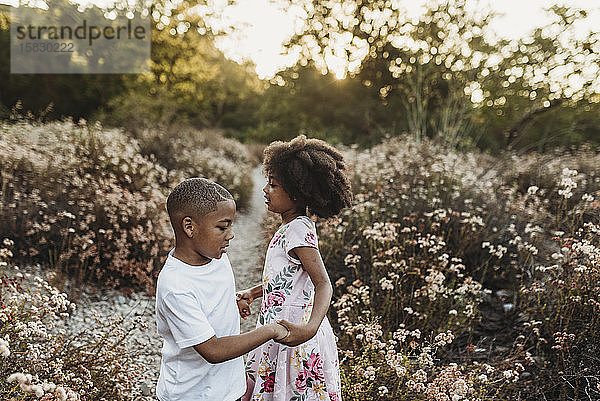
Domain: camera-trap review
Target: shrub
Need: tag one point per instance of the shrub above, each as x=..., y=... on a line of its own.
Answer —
x=434, y=192
x=41, y=360
x=561, y=302
x=186, y=152
x=83, y=199
x=406, y=366
x=90, y=201
x=430, y=234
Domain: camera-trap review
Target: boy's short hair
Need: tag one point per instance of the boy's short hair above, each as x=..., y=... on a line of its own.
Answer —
x=195, y=197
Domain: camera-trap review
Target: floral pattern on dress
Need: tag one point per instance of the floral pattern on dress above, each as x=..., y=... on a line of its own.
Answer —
x=310, y=377
x=309, y=371
x=279, y=238
x=310, y=239
x=276, y=292
x=307, y=306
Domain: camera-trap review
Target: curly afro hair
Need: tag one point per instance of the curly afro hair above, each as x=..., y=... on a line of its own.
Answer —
x=311, y=171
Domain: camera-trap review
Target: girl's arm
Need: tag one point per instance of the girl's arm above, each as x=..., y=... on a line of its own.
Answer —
x=313, y=264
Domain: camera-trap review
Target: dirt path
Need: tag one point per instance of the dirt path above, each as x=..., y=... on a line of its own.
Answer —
x=247, y=249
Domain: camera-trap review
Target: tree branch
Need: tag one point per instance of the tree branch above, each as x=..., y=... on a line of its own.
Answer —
x=512, y=132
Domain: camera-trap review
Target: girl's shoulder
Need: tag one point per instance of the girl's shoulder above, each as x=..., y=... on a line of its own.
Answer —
x=301, y=232
x=301, y=223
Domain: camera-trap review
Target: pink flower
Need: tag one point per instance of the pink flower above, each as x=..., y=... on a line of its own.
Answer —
x=315, y=367
x=268, y=385
x=334, y=397
x=275, y=298
x=301, y=380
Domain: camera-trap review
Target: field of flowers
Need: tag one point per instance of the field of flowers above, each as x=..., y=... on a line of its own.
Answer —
x=458, y=276
x=461, y=276
x=90, y=202
x=41, y=359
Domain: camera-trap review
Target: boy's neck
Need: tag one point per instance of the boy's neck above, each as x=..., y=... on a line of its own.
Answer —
x=190, y=257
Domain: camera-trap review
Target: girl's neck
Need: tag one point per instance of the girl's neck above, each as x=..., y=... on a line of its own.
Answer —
x=290, y=215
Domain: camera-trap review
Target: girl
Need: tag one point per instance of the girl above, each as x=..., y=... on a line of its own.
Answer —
x=303, y=175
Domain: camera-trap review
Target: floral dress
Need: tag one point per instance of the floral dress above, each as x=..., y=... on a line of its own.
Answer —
x=276, y=372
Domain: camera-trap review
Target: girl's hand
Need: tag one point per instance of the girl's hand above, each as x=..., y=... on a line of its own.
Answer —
x=299, y=333
x=244, y=299
x=281, y=332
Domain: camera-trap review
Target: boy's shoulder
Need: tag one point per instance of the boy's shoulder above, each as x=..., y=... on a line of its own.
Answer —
x=172, y=276
x=177, y=277
x=169, y=280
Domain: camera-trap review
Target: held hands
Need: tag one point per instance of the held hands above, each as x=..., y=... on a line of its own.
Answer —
x=244, y=299
x=298, y=333
x=281, y=332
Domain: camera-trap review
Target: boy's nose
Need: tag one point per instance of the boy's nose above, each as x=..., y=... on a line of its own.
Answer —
x=231, y=235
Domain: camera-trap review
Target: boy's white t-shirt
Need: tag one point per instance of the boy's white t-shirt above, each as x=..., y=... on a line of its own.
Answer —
x=194, y=303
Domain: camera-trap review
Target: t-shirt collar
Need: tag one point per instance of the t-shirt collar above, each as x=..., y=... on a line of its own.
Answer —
x=205, y=268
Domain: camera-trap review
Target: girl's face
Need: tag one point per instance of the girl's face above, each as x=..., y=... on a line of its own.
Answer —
x=276, y=198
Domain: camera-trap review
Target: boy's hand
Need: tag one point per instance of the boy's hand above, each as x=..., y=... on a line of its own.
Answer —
x=244, y=299
x=281, y=331
x=299, y=333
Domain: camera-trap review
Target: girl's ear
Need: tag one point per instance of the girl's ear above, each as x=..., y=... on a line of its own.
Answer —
x=188, y=226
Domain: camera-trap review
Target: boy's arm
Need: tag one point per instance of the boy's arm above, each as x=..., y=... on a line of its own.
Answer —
x=216, y=350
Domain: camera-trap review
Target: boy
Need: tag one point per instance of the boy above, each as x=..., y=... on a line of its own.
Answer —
x=196, y=310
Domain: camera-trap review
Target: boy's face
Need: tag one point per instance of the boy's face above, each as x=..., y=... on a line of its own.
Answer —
x=211, y=235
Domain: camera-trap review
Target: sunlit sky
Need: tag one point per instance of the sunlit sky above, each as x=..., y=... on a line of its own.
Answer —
x=265, y=24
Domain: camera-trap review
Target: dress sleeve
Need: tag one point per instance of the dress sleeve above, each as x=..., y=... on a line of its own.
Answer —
x=300, y=233
x=186, y=319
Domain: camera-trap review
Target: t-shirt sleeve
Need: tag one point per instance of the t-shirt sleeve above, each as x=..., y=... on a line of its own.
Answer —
x=186, y=319
x=300, y=233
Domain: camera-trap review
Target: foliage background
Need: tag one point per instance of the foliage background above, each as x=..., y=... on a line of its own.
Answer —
x=468, y=264
x=437, y=76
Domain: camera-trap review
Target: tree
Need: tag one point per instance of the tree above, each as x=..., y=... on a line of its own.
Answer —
x=440, y=76
x=322, y=106
x=51, y=95
x=418, y=67
x=551, y=71
x=191, y=81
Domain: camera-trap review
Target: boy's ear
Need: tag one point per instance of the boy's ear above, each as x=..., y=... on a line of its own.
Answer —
x=188, y=226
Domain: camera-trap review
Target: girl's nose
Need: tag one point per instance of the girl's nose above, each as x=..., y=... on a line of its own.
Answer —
x=265, y=187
